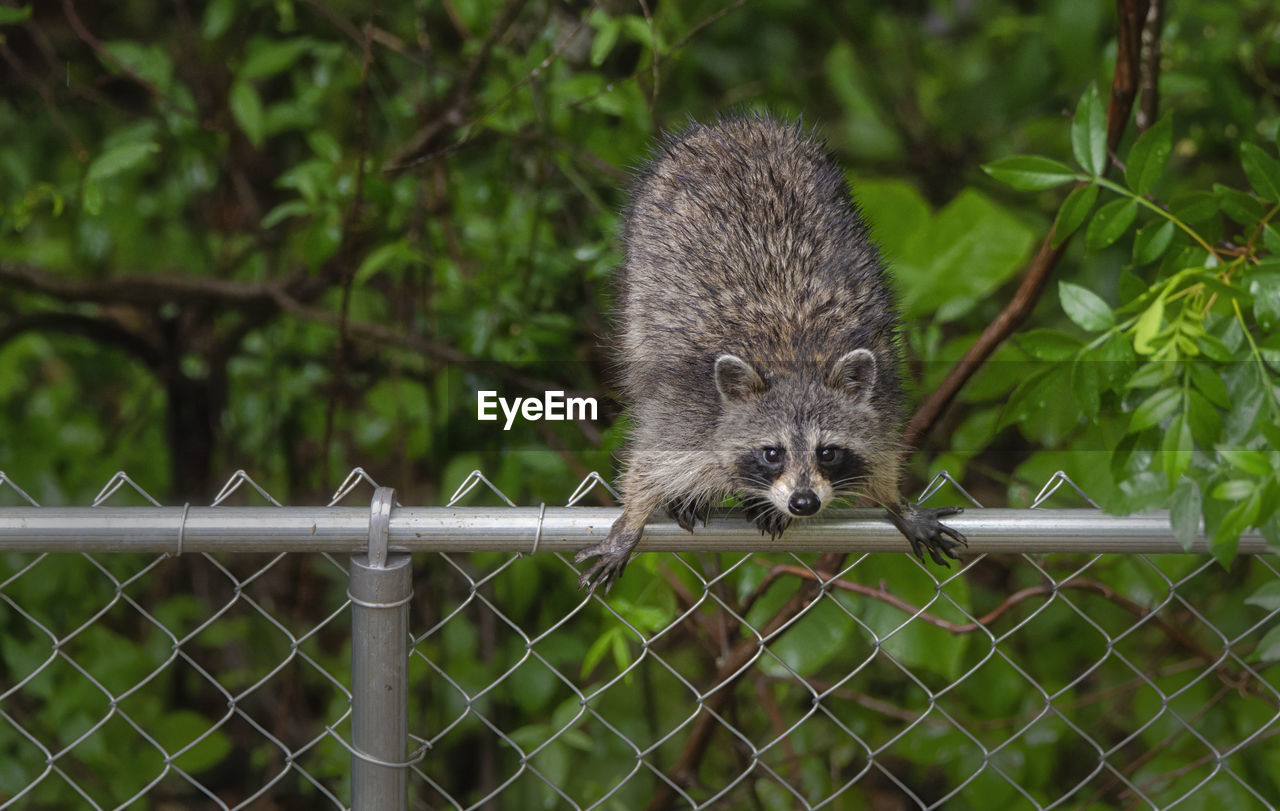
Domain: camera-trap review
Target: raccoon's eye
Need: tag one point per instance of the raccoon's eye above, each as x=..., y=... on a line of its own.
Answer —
x=830, y=455
x=771, y=456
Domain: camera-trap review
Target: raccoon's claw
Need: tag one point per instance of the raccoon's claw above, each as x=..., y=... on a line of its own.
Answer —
x=605, y=571
x=921, y=527
x=766, y=518
x=688, y=515
x=614, y=552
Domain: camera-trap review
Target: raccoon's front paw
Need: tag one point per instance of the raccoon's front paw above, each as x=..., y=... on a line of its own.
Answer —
x=767, y=518
x=614, y=552
x=920, y=526
x=689, y=513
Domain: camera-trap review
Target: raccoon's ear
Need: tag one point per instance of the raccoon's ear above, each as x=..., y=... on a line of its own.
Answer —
x=736, y=379
x=854, y=373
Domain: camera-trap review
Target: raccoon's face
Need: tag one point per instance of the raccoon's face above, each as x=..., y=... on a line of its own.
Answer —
x=800, y=477
x=795, y=441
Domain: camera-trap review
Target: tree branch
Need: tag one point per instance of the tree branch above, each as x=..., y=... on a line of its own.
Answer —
x=452, y=112
x=731, y=669
x=1132, y=14
x=142, y=291
x=99, y=330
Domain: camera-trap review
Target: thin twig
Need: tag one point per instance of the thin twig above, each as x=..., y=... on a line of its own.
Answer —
x=731, y=669
x=452, y=112
x=1022, y=595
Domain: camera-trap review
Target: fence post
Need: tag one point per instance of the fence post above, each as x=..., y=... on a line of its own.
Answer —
x=380, y=589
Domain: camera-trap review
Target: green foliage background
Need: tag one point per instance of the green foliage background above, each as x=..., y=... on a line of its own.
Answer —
x=293, y=237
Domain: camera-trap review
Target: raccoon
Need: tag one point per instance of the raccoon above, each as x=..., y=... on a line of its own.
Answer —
x=758, y=343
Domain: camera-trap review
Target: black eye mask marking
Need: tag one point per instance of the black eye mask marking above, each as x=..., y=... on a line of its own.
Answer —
x=759, y=467
x=842, y=467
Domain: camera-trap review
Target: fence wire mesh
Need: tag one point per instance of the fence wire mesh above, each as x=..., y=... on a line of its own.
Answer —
x=705, y=679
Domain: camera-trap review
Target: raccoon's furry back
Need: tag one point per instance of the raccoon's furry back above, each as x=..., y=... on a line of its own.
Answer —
x=742, y=238
x=758, y=344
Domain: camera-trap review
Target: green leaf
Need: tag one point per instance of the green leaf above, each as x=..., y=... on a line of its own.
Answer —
x=1047, y=344
x=1110, y=223
x=1208, y=382
x=1267, y=597
x=267, y=57
x=1036, y=395
x=1209, y=279
x=1148, y=156
x=246, y=108
x=1226, y=539
x=119, y=159
x=1262, y=170
x=1271, y=238
x=1176, y=446
x=1148, y=327
x=1113, y=362
x=324, y=145
x=811, y=643
x=1085, y=384
x=151, y=62
x=1234, y=489
x=1271, y=432
x=638, y=28
x=183, y=728
x=218, y=16
x=1031, y=172
x=945, y=264
x=91, y=199
x=384, y=255
x=1085, y=307
x=606, y=37
x=282, y=212
x=1265, y=289
x=603, y=644
x=1204, y=419
x=1215, y=349
x=1184, y=513
x=11, y=16
x=1255, y=463
x=1150, y=375
x=1269, y=647
x=1242, y=208
x=1089, y=132
x=1073, y=212
x=1154, y=409
x=1270, y=530
x=1194, y=208
x=1151, y=241
x=1130, y=285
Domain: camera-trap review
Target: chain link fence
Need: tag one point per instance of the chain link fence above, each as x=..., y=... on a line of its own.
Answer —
x=240, y=656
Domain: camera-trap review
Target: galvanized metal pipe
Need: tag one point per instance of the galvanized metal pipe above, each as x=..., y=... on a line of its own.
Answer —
x=561, y=529
x=381, y=587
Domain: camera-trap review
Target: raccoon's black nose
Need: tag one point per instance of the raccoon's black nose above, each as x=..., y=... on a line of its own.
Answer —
x=803, y=502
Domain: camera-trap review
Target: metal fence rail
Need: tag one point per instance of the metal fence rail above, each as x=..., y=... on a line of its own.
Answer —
x=195, y=656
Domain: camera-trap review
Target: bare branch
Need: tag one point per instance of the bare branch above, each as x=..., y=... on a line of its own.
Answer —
x=1132, y=13
x=140, y=290
x=452, y=112
x=732, y=667
x=100, y=330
